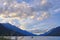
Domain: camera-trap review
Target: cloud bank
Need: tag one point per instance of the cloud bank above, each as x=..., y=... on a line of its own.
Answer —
x=28, y=15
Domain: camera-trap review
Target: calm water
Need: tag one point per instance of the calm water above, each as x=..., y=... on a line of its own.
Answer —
x=35, y=38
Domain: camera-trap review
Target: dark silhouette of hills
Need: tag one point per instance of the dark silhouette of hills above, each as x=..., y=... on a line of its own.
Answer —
x=7, y=29
x=52, y=32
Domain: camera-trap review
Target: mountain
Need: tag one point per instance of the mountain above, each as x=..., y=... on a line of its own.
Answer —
x=52, y=32
x=37, y=31
x=7, y=29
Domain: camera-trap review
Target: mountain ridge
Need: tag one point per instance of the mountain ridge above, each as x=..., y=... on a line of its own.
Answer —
x=52, y=32
x=7, y=29
x=15, y=29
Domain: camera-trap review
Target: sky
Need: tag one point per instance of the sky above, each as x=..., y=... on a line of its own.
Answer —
x=31, y=15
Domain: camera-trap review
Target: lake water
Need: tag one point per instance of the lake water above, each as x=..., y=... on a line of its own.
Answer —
x=35, y=38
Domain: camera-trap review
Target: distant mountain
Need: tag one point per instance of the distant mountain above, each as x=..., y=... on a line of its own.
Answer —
x=36, y=31
x=52, y=32
x=7, y=29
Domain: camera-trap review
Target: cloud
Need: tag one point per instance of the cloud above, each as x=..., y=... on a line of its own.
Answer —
x=23, y=12
x=43, y=2
x=27, y=15
x=57, y=10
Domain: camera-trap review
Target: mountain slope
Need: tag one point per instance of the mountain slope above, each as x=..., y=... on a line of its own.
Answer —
x=52, y=32
x=7, y=29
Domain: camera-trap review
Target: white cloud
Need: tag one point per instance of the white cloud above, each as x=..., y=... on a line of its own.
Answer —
x=28, y=15
x=57, y=10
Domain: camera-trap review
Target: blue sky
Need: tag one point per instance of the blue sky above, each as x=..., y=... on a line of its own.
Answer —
x=31, y=14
